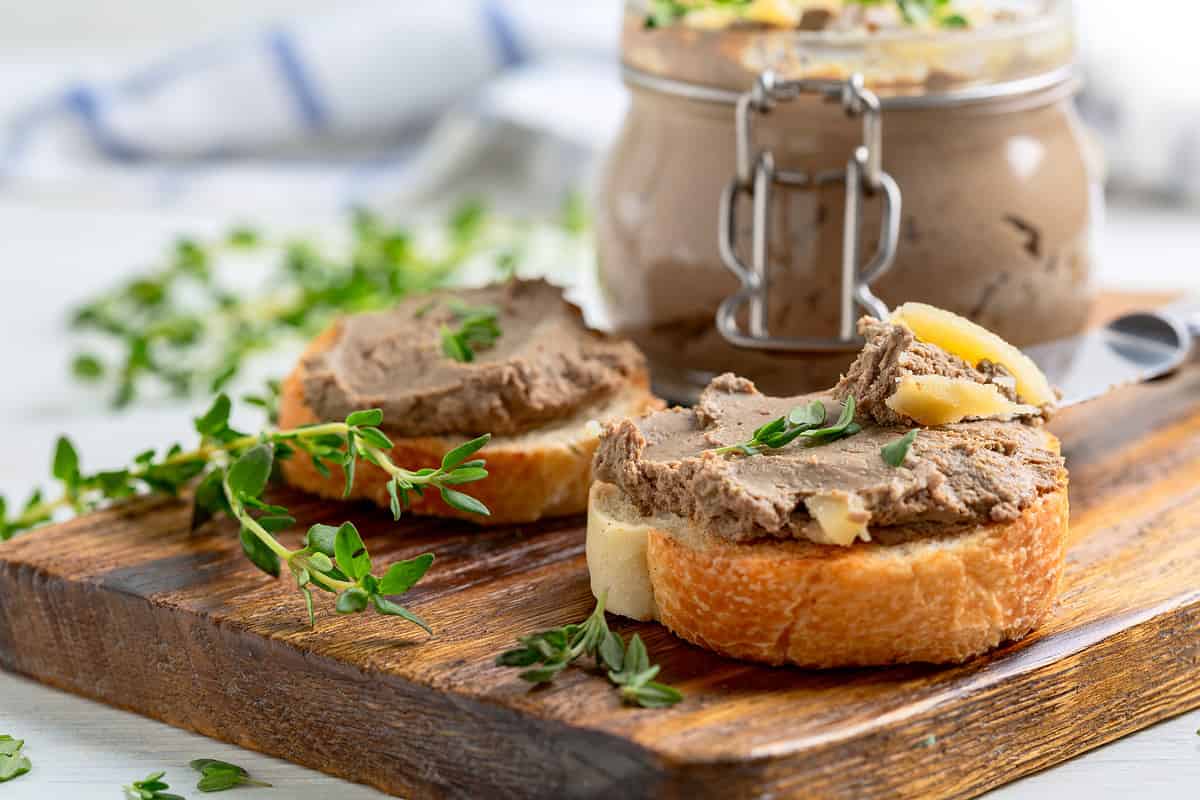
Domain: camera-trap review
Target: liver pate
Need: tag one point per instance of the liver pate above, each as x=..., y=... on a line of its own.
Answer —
x=892, y=352
x=545, y=366
x=968, y=472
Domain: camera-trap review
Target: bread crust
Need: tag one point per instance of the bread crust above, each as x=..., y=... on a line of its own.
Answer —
x=939, y=597
x=543, y=473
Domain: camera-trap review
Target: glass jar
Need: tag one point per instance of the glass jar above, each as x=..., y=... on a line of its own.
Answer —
x=969, y=185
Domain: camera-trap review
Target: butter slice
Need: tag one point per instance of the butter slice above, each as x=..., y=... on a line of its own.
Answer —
x=940, y=400
x=973, y=343
x=841, y=518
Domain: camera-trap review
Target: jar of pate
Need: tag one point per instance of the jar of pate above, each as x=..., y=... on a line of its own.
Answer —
x=772, y=182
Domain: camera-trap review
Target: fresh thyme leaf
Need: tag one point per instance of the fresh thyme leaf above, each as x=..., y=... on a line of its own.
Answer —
x=259, y=554
x=66, y=461
x=13, y=763
x=375, y=438
x=844, y=426
x=464, y=451
x=465, y=475
x=218, y=776
x=403, y=575
x=350, y=552
x=612, y=651
x=352, y=600
x=652, y=695
x=811, y=414
x=151, y=787
x=249, y=474
x=385, y=606
x=216, y=419
x=370, y=417
x=635, y=663
x=894, y=452
x=322, y=539
x=464, y=502
x=544, y=673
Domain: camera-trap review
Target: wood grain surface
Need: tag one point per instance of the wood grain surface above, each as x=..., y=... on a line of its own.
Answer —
x=127, y=607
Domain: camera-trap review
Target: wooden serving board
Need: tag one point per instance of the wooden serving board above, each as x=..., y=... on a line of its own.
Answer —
x=126, y=607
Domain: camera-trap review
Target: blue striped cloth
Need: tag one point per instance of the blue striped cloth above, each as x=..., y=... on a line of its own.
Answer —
x=328, y=110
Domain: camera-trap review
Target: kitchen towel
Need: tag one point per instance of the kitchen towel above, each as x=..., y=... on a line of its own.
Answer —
x=324, y=110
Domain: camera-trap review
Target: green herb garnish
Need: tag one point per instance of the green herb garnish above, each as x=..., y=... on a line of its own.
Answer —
x=478, y=328
x=801, y=421
x=661, y=13
x=151, y=787
x=549, y=652
x=230, y=471
x=939, y=12
x=13, y=763
x=218, y=776
x=894, y=452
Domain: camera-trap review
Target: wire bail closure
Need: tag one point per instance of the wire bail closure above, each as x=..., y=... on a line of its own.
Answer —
x=757, y=176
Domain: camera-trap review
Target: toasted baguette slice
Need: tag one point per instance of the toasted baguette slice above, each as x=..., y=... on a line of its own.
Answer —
x=544, y=472
x=918, y=596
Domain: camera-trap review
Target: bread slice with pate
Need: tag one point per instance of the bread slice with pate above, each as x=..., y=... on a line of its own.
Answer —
x=541, y=386
x=880, y=522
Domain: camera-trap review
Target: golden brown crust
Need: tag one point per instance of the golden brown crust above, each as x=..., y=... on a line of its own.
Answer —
x=530, y=476
x=935, y=598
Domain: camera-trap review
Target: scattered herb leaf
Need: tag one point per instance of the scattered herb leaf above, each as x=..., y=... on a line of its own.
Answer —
x=894, y=452
x=151, y=787
x=218, y=776
x=13, y=763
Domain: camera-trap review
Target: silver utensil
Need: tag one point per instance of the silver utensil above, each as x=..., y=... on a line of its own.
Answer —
x=1133, y=348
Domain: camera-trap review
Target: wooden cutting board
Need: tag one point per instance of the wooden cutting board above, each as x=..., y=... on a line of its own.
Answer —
x=126, y=607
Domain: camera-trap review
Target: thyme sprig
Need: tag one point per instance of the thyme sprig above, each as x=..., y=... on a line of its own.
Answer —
x=806, y=421
x=230, y=470
x=478, y=329
x=547, y=653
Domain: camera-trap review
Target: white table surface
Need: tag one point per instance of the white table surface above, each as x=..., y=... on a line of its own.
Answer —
x=51, y=257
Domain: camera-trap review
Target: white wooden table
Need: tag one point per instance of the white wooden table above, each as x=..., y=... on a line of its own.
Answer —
x=83, y=750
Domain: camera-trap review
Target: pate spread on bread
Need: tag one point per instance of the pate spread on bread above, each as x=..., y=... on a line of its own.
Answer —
x=539, y=387
x=544, y=366
x=821, y=552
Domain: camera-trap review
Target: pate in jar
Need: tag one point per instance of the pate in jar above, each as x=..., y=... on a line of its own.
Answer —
x=787, y=165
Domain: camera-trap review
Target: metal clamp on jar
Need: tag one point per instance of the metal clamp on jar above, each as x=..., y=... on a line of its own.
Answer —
x=757, y=175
